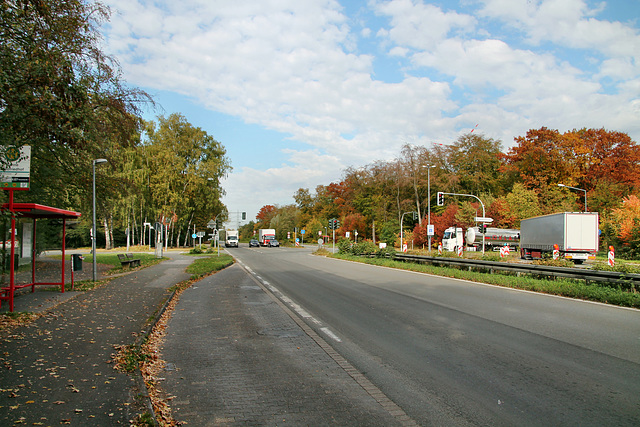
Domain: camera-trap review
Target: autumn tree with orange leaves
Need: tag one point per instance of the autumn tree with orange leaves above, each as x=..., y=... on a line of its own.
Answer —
x=606, y=164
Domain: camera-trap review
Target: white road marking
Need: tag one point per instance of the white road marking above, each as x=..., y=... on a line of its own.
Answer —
x=330, y=334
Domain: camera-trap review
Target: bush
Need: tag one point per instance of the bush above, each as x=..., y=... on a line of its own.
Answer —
x=364, y=248
x=344, y=246
x=490, y=256
x=386, y=252
x=196, y=251
x=621, y=267
x=560, y=262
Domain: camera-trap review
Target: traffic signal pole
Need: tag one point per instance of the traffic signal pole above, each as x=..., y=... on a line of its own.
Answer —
x=441, y=203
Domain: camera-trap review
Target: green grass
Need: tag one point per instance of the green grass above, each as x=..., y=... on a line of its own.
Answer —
x=208, y=264
x=564, y=287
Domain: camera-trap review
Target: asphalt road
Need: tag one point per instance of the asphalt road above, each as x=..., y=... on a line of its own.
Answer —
x=451, y=352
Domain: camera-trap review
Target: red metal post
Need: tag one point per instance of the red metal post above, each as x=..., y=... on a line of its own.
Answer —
x=33, y=257
x=12, y=279
x=64, y=236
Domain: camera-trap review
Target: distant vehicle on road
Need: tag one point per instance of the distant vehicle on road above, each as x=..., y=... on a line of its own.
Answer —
x=266, y=234
x=254, y=242
x=232, y=238
x=274, y=242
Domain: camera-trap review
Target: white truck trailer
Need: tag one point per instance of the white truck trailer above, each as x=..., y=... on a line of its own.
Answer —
x=266, y=234
x=575, y=233
x=494, y=238
x=231, y=239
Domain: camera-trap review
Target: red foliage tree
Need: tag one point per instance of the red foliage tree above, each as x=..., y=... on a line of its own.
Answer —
x=266, y=213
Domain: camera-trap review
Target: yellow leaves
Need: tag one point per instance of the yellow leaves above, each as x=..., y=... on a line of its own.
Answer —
x=12, y=320
x=626, y=216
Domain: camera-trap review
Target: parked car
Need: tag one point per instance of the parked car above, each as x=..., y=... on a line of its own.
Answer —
x=254, y=242
x=274, y=242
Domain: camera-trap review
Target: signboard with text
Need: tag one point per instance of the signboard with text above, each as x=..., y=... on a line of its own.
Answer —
x=17, y=162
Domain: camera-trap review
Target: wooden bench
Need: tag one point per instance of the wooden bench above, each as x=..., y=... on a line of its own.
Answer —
x=128, y=259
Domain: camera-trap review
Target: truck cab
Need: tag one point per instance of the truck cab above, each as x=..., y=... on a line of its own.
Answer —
x=231, y=239
x=452, y=239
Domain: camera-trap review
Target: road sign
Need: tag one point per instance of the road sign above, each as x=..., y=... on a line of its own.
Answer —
x=431, y=230
x=211, y=224
x=483, y=219
x=194, y=235
x=200, y=234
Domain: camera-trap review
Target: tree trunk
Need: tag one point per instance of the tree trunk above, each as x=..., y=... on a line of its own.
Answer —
x=112, y=243
x=107, y=240
x=186, y=237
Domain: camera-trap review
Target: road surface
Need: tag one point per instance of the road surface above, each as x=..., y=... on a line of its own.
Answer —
x=451, y=352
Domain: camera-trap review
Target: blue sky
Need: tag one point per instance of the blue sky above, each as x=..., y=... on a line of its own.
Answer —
x=299, y=90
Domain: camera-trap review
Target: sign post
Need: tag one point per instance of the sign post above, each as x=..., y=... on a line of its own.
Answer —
x=17, y=174
x=611, y=257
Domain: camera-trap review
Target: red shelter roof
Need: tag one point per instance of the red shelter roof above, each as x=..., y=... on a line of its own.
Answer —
x=34, y=210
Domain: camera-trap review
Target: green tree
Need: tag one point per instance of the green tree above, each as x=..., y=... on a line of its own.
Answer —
x=186, y=167
x=523, y=204
x=62, y=96
x=476, y=161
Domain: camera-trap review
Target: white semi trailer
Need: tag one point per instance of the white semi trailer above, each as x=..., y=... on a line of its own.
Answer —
x=574, y=233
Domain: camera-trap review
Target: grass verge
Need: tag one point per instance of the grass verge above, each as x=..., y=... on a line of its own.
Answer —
x=563, y=287
x=208, y=264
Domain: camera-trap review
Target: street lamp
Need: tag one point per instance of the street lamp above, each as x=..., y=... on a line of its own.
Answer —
x=93, y=237
x=577, y=189
x=428, y=200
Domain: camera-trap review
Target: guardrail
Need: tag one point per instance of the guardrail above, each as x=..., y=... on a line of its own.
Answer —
x=614, y=277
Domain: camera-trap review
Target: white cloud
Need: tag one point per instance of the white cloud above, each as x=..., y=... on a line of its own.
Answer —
x=295, y=67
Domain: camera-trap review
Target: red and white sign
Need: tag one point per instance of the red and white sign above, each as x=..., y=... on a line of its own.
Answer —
x=504, y=251
x=460, y=249
x=556, y=251
x=404, y=247
x=612, y=256
x=440, y=248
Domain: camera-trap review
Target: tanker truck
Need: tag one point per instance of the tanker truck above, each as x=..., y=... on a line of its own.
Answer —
x=575, y=234
x=494, y=238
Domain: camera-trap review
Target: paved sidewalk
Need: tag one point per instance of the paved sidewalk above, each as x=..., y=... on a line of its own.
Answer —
x=59, y=370
x=234, y=357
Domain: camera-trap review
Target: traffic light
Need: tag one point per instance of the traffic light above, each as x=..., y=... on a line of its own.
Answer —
x=337, y=224
x=244, y=216
x=440, y=198
x=415, y=216
x=484, y=228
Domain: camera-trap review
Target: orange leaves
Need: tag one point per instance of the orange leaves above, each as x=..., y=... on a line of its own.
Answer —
x=627, y=217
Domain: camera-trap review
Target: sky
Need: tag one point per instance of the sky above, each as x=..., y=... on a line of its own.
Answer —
x=299, y=90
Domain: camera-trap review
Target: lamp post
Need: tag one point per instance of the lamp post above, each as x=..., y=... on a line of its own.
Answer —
x=578, y=189
x=428, y=200
x=93, y=238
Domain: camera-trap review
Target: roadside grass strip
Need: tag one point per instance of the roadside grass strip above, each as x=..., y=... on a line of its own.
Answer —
x=578, y=289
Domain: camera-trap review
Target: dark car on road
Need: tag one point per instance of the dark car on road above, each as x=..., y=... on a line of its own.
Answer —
x=274, y=242
x=254, y=242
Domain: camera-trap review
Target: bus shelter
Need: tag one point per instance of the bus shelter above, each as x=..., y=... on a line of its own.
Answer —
x=34, y=212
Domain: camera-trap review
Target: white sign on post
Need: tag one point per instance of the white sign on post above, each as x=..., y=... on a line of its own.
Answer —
x=483, y=219
x=18, y=168
x=431, y=230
